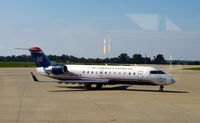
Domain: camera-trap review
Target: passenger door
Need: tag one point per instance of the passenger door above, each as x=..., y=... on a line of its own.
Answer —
x=140, y=75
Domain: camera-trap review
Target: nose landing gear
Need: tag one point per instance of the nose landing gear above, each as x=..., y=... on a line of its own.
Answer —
x=161, y=88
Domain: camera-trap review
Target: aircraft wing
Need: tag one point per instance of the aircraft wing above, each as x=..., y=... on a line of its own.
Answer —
x=83, y=81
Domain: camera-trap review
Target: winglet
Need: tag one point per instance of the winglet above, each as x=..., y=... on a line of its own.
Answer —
x=34, y=77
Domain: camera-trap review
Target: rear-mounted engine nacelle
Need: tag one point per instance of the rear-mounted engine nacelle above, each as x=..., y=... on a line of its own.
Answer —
x=57, y=69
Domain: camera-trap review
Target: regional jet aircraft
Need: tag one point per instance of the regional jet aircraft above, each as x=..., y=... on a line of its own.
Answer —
x=98, y=75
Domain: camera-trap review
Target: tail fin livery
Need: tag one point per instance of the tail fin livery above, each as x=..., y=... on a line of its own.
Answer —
x=40, y=59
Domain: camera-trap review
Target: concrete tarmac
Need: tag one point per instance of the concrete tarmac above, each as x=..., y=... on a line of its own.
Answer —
x=23, y=101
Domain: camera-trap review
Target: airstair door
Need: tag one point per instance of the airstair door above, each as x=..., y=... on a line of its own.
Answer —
x=140, y=75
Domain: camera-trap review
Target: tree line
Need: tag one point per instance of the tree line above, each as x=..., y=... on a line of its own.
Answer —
x=121, y=59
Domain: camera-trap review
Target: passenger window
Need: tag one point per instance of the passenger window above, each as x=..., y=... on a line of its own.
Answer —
x=129, y=73
x=83, y=72
x=88, y=72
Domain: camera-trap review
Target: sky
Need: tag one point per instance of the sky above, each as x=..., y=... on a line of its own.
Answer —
x=79, y=27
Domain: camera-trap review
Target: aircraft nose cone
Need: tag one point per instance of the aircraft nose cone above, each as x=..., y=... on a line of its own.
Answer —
x=172, y=80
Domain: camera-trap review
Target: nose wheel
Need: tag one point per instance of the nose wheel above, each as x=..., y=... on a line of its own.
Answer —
x=161, y=88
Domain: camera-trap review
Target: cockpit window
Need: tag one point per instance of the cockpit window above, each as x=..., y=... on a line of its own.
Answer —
x=157, y=72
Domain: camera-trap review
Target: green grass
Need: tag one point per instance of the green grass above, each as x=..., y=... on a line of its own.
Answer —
x=194, y=68
x=17, y=64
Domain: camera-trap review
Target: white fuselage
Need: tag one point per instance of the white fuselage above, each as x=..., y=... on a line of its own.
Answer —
x=115, y=74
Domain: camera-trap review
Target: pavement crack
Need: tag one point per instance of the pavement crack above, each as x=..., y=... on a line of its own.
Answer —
x=21, y=101
x=113, y=119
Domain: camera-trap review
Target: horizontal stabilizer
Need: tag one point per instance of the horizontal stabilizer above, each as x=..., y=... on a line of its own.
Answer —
x=34, y=78
x=22, y=48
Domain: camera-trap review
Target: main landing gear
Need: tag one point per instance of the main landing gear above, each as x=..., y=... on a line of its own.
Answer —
x=161, y=88
x=88, y=86
x=99, y=86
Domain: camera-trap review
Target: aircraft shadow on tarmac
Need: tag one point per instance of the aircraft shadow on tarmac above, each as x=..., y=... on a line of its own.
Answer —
x=81, y=88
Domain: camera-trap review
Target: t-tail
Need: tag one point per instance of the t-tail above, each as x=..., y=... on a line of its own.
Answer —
x=42, y=61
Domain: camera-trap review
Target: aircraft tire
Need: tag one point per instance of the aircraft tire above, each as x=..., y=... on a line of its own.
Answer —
x=88, y=86
x=161, y=88
x=99, y=86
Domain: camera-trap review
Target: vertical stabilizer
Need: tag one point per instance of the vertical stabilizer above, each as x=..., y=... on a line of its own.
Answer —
x=40, y=59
